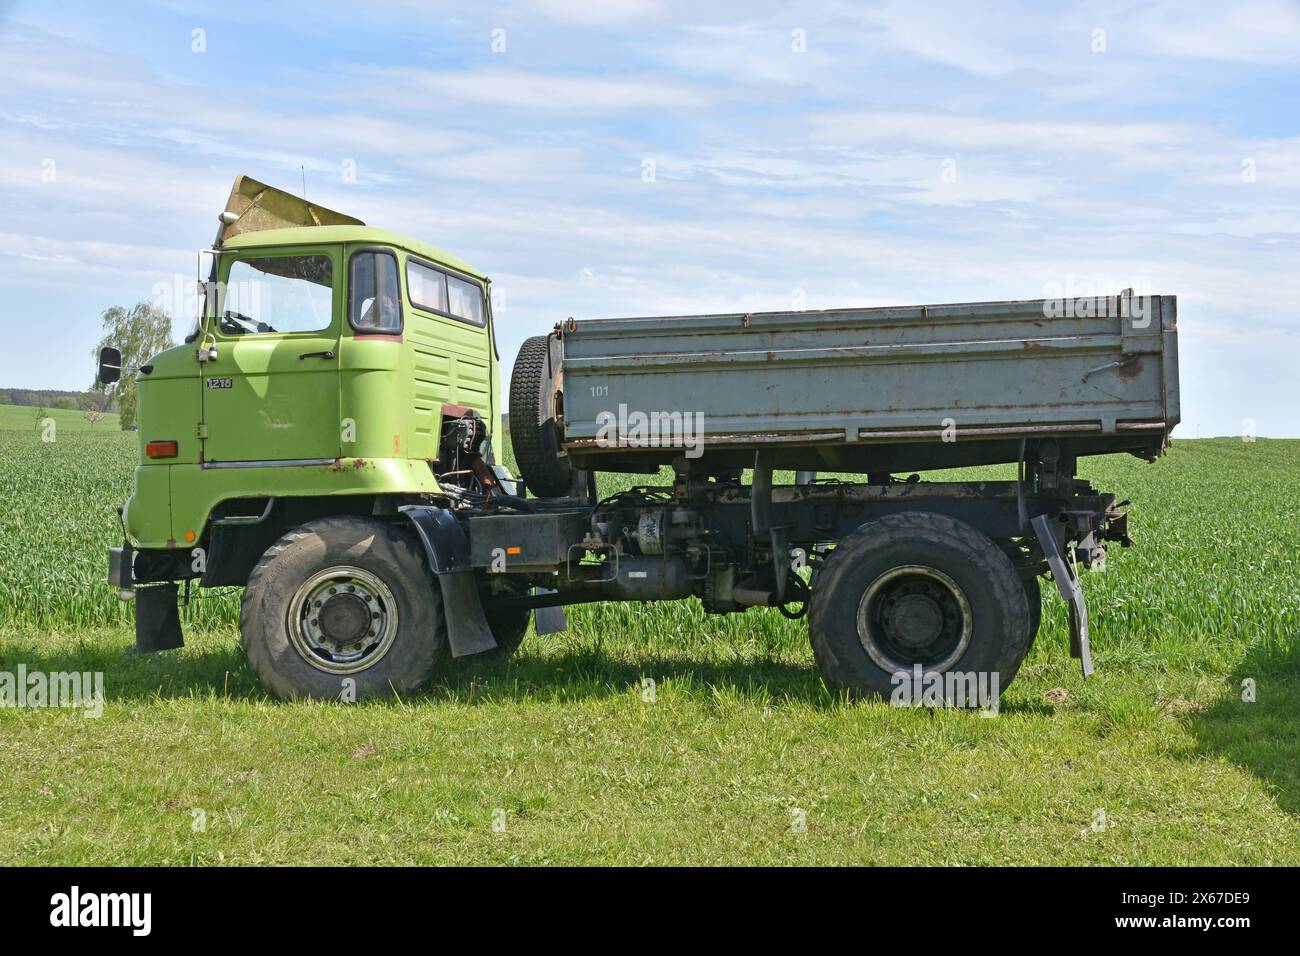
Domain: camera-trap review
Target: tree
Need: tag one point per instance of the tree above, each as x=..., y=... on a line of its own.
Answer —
x=39, y=414
x=140, y=332
x=91, y=409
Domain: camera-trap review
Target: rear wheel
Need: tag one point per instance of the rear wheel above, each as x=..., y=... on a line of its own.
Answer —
x=917, y=589
x=342, y=606
x=509, y=627
x=534, y=431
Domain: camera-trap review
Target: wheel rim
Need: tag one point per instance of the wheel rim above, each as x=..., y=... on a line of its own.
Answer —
x=913, y=615
x=342, y=620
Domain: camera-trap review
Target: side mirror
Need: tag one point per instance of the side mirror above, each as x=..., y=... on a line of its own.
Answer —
x=110, y=365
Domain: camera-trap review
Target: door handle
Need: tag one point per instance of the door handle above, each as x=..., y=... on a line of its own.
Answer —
x=324, y=355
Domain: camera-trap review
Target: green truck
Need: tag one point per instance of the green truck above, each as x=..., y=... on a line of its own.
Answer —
x=326, y=438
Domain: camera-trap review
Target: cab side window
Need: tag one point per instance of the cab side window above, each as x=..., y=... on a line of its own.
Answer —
x=374, y=294
x=426, y=287
x=466, y=300
x=433, y=290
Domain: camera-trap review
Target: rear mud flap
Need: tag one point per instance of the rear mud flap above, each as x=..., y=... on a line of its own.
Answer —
x=549, y=620
x=447, y=549
x=1067, y=582
x=157, y=619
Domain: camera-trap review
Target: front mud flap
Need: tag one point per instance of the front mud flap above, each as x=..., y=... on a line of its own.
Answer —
x=1067, y=582
x=467, y=627
x=157, y=619
x=447, y=549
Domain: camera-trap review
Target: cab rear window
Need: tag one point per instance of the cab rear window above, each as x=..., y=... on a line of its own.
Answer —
x=433, y=290
x=465, y=300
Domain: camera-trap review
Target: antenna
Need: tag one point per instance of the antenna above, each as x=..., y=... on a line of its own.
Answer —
x=303, y=167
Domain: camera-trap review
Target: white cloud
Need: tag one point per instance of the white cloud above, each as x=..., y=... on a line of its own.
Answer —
x=952, y=131
x=1265, y=31
x=602, y=12
x=519, y=90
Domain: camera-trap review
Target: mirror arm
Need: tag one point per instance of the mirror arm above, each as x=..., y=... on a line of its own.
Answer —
x=207, y=350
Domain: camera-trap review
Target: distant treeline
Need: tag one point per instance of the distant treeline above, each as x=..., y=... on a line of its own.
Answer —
x=54, y=398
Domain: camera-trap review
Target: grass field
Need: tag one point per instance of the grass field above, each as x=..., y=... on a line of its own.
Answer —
x=1156, y=760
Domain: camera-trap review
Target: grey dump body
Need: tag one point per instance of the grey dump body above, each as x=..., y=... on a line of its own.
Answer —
x=874, y=390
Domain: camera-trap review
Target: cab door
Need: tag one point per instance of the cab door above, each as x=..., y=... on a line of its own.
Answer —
x=271, y=395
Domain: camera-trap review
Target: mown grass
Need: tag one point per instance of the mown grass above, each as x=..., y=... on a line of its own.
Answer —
x=1156, y=760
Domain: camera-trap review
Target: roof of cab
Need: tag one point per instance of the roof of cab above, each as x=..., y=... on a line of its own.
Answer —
x=305, y=235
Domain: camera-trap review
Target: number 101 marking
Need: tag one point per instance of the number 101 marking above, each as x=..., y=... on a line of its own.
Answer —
x=599, y=391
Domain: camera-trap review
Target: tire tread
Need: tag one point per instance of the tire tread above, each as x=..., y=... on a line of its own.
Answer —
x=1008, y=589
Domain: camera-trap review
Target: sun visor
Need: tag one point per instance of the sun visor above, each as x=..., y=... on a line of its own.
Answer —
x=255, y=206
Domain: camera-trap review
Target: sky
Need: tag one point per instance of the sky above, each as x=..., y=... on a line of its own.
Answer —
x=653, y=157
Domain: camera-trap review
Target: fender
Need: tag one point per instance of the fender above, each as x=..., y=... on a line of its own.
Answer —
x=447, y=549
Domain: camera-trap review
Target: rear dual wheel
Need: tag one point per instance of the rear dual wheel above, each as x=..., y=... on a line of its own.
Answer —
x=917, y=589
x=508, y=626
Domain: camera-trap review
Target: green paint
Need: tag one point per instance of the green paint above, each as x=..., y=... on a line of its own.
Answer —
x=370, y=409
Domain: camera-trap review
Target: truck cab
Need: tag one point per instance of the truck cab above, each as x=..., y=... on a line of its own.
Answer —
x=320, y=378
x=324, y=364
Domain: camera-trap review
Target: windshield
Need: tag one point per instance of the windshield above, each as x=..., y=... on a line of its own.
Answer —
x=280, y=294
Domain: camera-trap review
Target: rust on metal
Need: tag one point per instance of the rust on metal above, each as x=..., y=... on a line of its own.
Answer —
x=350, y=464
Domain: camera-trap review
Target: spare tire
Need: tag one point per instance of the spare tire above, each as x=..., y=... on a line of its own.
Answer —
x=534, y=431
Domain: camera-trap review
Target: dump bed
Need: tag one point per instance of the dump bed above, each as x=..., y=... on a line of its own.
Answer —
x=880, y=389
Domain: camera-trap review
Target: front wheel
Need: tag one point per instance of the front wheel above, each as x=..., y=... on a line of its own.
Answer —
x=919, y=594
x=342, y=608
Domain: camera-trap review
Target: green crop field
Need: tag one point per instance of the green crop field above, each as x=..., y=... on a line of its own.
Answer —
x=739, y=755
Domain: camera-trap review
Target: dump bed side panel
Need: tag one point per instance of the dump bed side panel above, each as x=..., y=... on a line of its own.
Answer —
x=1103, y=367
